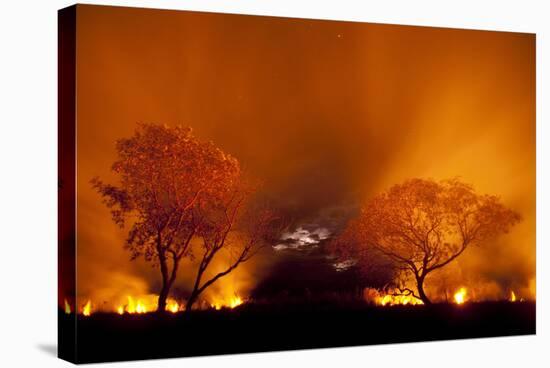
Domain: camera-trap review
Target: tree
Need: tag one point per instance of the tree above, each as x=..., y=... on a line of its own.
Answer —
x=234, y=226
x=166, y=178
x=420, y=226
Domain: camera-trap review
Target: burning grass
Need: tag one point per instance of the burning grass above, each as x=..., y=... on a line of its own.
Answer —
x=230, y=303
x=148, y=303
x=144, y=304
x=461, y=296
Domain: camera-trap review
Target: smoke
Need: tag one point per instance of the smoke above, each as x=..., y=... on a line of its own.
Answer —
x=480, y=126
x=327, y=114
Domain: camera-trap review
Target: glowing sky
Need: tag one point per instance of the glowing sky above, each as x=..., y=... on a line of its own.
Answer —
x=325, y=113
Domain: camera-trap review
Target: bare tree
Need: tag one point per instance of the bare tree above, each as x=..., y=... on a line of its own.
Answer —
x=236, y=227
x=420, y=226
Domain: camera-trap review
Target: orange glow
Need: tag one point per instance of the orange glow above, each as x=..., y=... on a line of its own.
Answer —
x=386, y=112
x=389, y=299
x=232, y=302
x=136, y=306
x=147, y=303
x=398, y=300
x=460, y=296
x=173, y=307
x=512, y=296
x=87, y=309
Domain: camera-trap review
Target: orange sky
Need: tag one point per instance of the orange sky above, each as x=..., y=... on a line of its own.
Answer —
x=327, y=113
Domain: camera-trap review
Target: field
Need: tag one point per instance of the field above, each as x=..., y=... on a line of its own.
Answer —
x=257, y=328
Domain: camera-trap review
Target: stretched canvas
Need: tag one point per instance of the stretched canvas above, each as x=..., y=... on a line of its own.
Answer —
x=234, y=183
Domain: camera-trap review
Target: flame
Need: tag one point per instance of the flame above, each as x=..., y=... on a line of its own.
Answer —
x=87, y=309
x=147, y=303
x=231, y=303
x=388, y=299
x=67, y=307
x=235, y=301
x=173, y=306
x=141, y=308
x=135, y=306
x=460, y=296
x=456, y=295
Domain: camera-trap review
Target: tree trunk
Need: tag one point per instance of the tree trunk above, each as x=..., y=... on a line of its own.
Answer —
x=163, y=295
x=161, y=309
x=421, y=293
x=165, y=289
x=192, y=299
x=167, y=283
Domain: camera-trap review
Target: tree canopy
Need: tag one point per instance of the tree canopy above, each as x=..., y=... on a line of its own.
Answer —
x=174, y=188
x=420, y=226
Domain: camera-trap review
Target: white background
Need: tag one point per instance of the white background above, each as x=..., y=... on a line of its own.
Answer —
x=28, y=181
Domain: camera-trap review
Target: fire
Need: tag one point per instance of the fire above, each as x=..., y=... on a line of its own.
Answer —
x=146, y=304
x=173, y=306
x=460, y=296
x=134, y=306
x=235, y=301
x=138, y=306
x=457, y=295
x=231, y=303
x=87, y=309
x=67, y=307
x=388, y=299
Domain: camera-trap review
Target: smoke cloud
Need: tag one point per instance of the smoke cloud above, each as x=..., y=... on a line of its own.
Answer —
x=326, y=113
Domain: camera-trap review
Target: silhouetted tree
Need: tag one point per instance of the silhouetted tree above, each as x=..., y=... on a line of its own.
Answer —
x=169, y=182
x=234, y=226
x=420, y=226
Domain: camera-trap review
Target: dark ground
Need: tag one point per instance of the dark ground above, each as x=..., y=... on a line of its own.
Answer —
x=256, y=327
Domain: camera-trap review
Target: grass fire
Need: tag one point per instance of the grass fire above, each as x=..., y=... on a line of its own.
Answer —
x=209, y=228
x=149, y=304
x=460, y=296
x=321, y=188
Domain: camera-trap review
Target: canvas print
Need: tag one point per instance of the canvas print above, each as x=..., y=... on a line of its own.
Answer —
x=234, y=183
